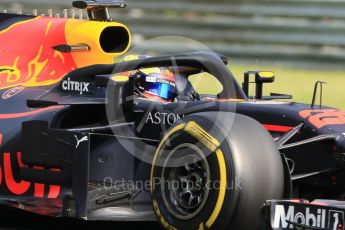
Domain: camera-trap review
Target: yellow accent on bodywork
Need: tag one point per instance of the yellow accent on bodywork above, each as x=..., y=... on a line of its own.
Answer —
x=120, y=78
x=18, y=23
x=12, y=71
x=148, y=71
x=89, y=32
x=49, y=26
x=130, y=57
x=266, y=74
x=199, y=133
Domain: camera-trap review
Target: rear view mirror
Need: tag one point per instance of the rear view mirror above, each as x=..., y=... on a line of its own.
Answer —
x=264, y=77
x=261, y=77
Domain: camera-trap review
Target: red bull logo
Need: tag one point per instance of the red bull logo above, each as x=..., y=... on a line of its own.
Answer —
x=26, y=56
x=28, y=59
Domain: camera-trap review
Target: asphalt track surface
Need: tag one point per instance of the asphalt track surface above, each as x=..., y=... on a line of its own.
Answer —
x=11, y=218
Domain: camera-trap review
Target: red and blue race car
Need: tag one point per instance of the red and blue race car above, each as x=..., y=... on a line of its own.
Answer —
x=78, y=140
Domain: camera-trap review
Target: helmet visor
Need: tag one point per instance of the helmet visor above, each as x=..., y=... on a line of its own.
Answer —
x=163, y=90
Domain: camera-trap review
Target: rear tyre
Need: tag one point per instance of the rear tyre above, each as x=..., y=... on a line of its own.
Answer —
x=206, y=175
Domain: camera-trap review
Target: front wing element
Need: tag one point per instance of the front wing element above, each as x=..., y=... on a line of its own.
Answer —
x=57, y=157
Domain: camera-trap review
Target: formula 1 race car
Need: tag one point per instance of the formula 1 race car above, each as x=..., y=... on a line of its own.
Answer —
x=77, y=140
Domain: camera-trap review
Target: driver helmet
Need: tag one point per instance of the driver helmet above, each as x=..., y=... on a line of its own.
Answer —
x=158, y=84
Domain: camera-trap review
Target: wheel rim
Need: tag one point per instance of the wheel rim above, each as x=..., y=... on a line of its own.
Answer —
x=184, y=187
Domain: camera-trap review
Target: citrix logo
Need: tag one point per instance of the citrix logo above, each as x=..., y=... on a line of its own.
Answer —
x=81, y=87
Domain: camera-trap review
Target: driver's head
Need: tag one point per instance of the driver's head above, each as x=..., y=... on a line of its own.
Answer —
x=157, y=84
